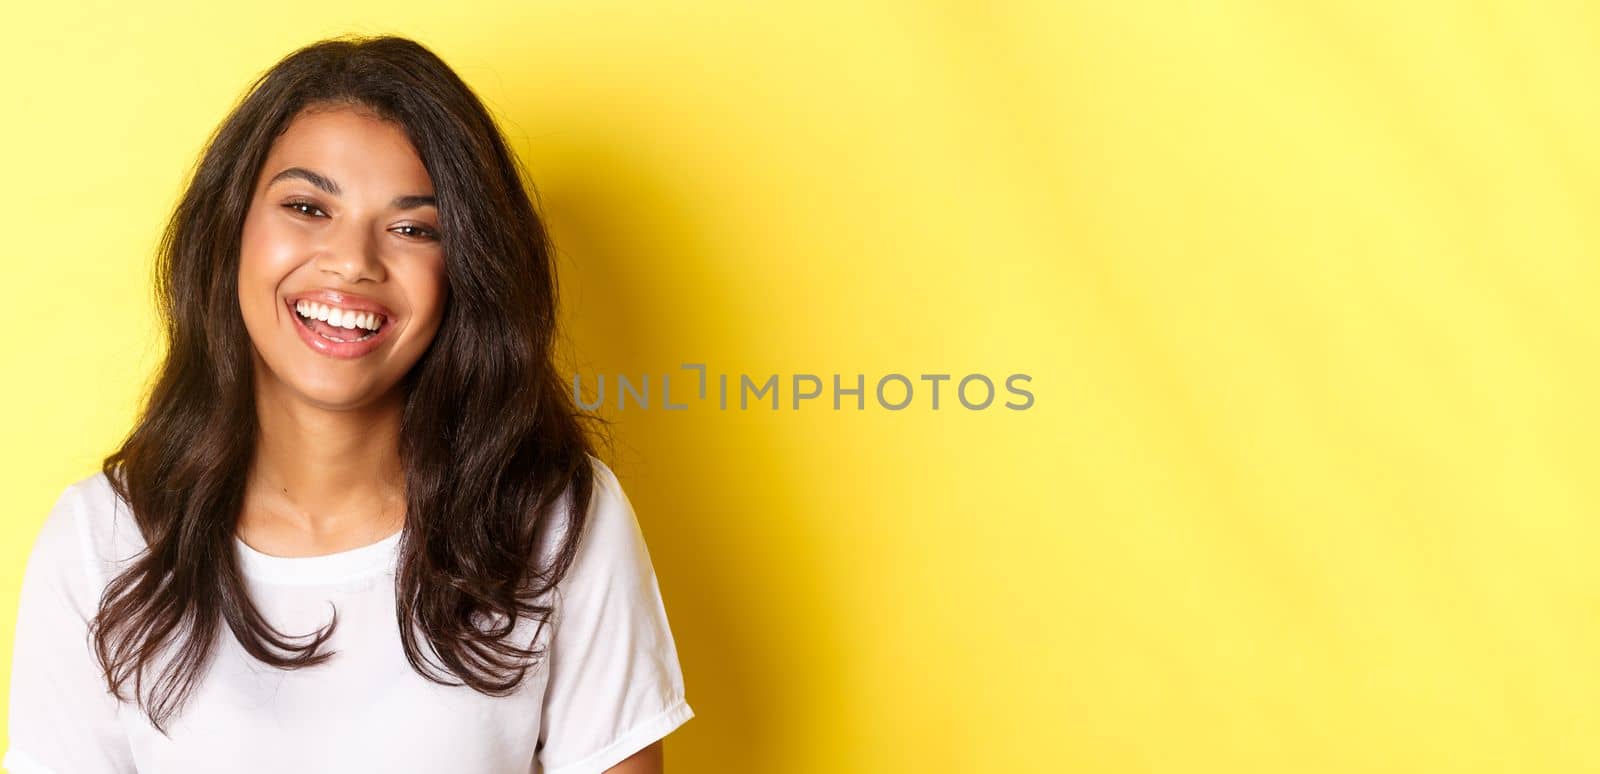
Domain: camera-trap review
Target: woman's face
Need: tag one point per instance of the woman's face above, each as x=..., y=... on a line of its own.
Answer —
x=341, y=227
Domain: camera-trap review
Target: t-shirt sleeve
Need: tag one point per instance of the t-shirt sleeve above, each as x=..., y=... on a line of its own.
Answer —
x=62, y=718
x=615, y=684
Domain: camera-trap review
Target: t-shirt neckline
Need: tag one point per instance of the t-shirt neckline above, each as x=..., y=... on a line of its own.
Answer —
x=326, y=568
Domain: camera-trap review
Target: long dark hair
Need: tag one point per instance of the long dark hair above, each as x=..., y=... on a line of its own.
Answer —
x=490, y=439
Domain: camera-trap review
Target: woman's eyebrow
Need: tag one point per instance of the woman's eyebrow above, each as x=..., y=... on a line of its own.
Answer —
x=328, y=186
x=411, y=202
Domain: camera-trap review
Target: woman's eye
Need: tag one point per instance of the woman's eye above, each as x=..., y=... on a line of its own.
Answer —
x=416, y=231
x=305, y=208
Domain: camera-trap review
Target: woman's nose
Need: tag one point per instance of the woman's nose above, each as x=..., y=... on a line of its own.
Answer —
x=352, y=252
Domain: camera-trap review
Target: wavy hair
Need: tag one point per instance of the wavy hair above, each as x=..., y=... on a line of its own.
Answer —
x=490, y=439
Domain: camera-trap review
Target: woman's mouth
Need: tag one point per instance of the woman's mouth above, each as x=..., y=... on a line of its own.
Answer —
x=338, y=332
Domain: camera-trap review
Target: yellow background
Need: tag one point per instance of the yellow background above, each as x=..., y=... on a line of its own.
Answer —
x=1305, y=291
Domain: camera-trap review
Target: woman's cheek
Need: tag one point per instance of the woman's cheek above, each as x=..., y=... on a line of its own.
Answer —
x=431, y=285
x=274, y=249
x=266, y=258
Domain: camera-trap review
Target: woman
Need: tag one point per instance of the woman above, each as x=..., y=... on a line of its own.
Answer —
x=358, y=526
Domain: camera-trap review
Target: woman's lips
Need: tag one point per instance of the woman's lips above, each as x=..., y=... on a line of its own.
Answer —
x=344, y=350
x=341, y=300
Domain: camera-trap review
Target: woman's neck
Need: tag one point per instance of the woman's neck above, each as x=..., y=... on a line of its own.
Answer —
x=322, y=480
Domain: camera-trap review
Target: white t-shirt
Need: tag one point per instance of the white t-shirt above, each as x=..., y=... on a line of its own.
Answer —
x=611, y=686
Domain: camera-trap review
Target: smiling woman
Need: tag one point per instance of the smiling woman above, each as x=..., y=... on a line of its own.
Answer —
x=359, y=525
x=322, y=223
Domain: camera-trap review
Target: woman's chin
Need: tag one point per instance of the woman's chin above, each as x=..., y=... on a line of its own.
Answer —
x=334, y=392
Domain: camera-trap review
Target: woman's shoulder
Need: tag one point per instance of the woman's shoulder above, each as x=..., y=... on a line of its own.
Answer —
x=612, y=538
x=609, y=507
x=93, y=524
x=606, y=497
x=608, y=525
x=602, y=472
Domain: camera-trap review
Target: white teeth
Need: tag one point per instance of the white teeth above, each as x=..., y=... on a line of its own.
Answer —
x=343, y=318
